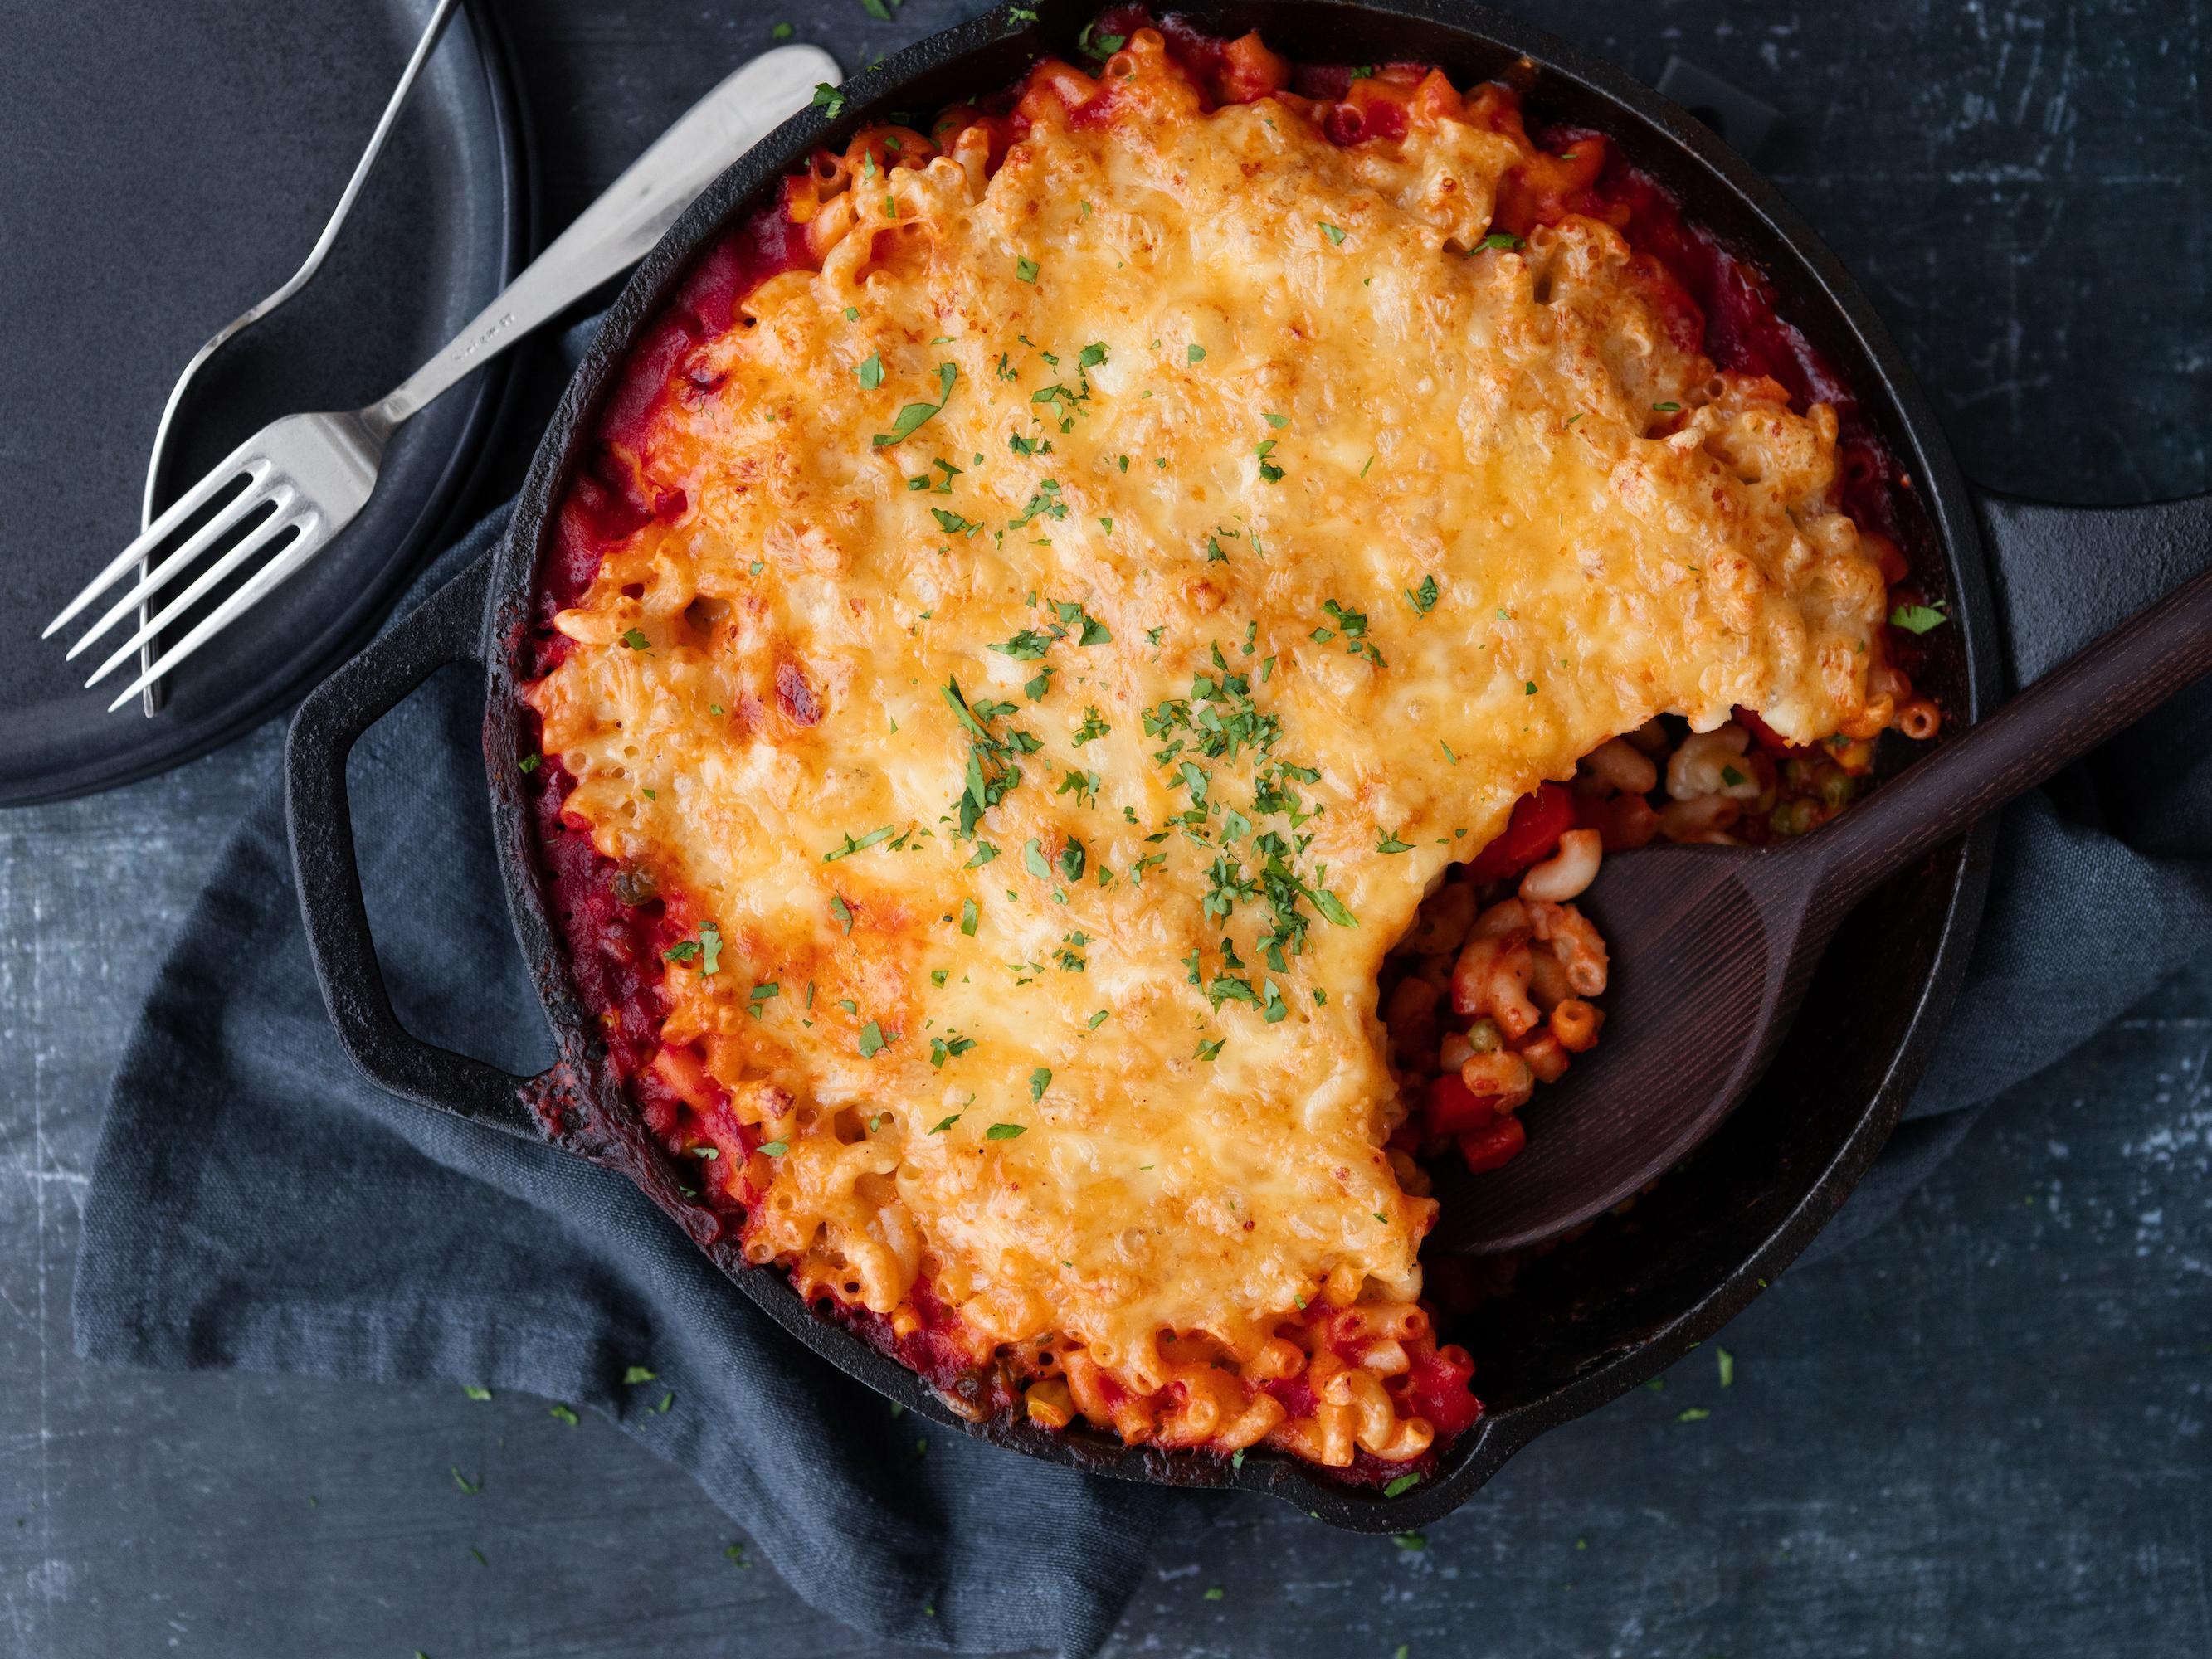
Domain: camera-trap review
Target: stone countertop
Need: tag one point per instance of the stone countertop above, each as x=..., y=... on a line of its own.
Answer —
x=1980, y=1430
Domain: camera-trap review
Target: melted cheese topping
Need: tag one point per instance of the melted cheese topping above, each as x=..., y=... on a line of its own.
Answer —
x=1276, y=544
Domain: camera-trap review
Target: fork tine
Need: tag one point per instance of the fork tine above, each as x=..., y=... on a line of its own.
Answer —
x=160, y=575
x=155, y=534
x=261, y=535
x=314, y=535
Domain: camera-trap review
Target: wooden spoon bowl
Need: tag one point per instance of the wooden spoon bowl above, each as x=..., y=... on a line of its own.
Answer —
x=1712, y=946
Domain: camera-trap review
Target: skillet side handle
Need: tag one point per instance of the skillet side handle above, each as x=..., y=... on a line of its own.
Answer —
x=446, y=628
x=2066, y=575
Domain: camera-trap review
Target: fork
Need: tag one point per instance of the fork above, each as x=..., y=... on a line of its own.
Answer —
x=305, y=476
x=156, y=464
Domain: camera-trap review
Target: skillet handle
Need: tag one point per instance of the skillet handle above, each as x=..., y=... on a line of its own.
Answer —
x=446, y=628
x=2066, y=575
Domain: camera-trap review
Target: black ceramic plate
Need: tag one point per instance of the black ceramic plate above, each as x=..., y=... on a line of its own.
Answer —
x=167, y=167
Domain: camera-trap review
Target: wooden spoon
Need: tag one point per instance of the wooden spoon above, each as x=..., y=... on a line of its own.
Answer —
x=1712, y=946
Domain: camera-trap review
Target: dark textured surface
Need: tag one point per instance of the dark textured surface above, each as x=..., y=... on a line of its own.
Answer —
x=1979, y=1430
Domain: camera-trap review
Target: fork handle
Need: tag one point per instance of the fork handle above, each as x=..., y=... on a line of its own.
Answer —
x=618, y=230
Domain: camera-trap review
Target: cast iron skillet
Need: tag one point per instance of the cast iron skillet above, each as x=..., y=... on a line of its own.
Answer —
x=1607, y=1310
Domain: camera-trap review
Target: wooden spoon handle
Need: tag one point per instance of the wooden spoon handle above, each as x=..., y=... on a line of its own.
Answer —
x=2101, y=690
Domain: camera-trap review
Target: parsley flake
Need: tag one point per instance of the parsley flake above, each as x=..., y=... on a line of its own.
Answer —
x=1004, y=1131
x=1919, y=618
x=875, y=837
x=911, y=417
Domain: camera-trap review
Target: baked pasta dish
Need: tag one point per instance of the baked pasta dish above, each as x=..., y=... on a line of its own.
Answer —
x=1106, y=632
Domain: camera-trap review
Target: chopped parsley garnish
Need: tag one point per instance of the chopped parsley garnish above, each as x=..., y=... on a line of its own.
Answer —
x=1278, y=422
x=1353, y=626
x=968, y=916
x=710, y=942
x=829, y=99
x=767, y=993
x=1033, y=859
x=872, y=1041
x=875, y=837
x=946, y=1124
x=1094, y=725
x=1040, y=1080
x=991, y=770
x=774, y=1148
x=1402, y=1486
x=1196, y=353
x=841, y=911
x=566, y=1413
x=1004, y=1131
x=1919, y=618
x=914, y=414
x=1335, y=236
x=1528, y=688
x=475, y=1391
x=952, y=1046
x=1667, y=408
x=1390, y=843
x=1100, y=47
x=1730, y=776
x=1503, y=241
x=1210, y=1050
x=1026, y=269
x=1028, y=646
x=1268, y=470
x=635, y=639
x=983, y=854
x=871, y=371
x=952, y=524
x=529, y=763
x=1099, y=1018
x=1424, y=598
x=637, y=1374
